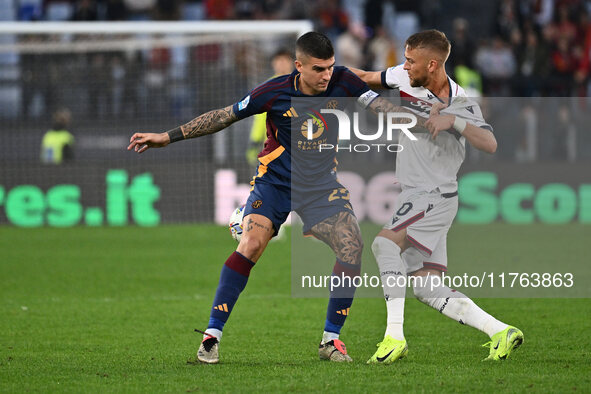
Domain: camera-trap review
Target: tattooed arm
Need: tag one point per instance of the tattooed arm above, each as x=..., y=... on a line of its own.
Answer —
x=382, y=105
x=208, y=123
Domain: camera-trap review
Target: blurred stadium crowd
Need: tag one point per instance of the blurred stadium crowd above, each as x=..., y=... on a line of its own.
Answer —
x=500, y=48
x=522, y=48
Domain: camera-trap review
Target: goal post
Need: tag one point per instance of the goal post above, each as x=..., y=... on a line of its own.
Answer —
x=114, y=79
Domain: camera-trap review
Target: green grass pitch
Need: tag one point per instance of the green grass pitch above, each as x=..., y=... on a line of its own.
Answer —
x=113, y=310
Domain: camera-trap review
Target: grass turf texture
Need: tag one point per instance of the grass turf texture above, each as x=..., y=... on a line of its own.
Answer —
x=97, y=309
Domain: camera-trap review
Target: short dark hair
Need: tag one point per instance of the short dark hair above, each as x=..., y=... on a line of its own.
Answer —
x=430, y=39
x=316, y=45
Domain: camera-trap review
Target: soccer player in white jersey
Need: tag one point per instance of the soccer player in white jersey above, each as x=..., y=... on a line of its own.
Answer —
x=413, y=242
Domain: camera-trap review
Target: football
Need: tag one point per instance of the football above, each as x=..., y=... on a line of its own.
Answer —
x=235, y=224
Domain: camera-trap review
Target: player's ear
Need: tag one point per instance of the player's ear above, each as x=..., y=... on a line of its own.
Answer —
x=298, y=65
x=433, y=63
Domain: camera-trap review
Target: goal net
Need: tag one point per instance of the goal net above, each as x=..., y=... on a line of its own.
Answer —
x=101, y=82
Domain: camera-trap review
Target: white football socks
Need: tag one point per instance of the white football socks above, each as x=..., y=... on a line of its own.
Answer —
x=393, y=275
x=329, y=336
x=215, y=332
x=456, y=305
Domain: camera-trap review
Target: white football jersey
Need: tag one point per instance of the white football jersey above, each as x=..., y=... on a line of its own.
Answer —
x=426, y=163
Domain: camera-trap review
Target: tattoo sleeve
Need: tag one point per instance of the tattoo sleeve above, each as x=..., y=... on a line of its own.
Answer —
x=341, y=232
x=382, y=105
x=209, y=123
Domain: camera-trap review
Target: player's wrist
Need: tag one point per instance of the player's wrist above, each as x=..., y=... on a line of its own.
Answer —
x=460, y=124
x=175, y=135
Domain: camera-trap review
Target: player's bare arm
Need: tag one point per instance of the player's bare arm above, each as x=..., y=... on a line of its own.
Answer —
x=480, y=138
x=383, y=105
x=208, y=123
x=372, y=78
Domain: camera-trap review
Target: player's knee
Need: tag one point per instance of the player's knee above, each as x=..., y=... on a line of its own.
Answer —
x=384, y=246
x=250, y=247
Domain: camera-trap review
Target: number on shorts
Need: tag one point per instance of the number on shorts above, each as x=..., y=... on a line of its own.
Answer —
x=340, y=193
x=407, y=206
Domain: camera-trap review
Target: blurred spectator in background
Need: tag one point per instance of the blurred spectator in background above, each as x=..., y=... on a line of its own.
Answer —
x=57, y=145
x=247, y=9
x=139, y=9
x=85, y=10
x=542, y=11
x=282, y=63
x=507, y=19
x=272, y=9
x=461, y=61
x=532, y=66
x=99, y=83
x=463, y=45
x=374, y=12
x=564, y=64
x=219, y=9
x=167, y=10
x=496, y=63
x=134, y=76
x=331, y=19
x=156, y=78
x=349, y=46
x=116, y=10
x=40, y=80
x=381, y=50
x=406, y=18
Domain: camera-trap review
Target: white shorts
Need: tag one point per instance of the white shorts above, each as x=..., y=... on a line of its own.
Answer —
x=427, y=217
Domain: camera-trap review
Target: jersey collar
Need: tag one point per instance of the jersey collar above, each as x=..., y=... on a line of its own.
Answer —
x=437, y=97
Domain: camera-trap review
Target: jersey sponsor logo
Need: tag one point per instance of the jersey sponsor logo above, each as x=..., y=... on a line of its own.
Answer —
x=470, y=109
x=422, y=105
x=257, y=204
x=314, y=126
x=395, y=219
x=243, y=103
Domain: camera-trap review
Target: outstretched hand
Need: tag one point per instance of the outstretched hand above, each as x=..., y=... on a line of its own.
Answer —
x=140, y=142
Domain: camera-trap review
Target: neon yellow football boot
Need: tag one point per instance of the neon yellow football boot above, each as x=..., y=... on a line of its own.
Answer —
x=389, y=350
x=503, y=342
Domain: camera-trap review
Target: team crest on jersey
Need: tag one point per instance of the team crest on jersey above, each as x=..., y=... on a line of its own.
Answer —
x=243, y=103
x=332, y=104
x=257, y=204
